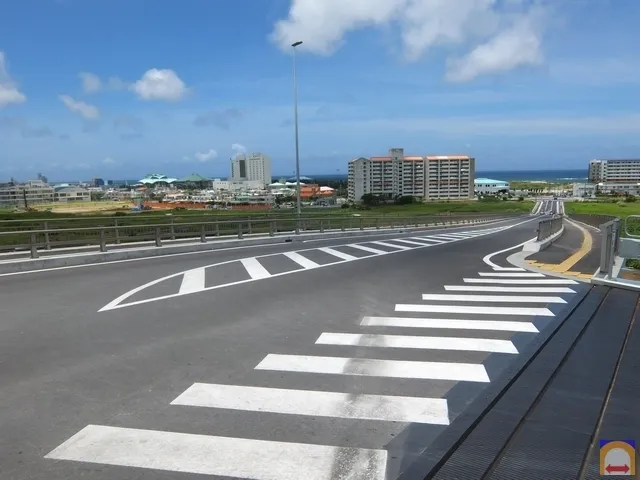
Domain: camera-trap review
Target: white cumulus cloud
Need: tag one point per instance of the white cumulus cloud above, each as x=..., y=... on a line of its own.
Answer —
x=87, y=111
x=9, y=91
x=206, y=156
x=157, y=84
x=91, y=82
x=238, y=149
x=109, y=161
x=494, y=32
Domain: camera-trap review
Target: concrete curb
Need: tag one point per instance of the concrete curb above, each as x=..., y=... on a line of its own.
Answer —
x=534, y=247
x=23, y=265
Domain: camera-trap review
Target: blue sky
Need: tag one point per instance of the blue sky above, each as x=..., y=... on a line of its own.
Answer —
x=121, y=88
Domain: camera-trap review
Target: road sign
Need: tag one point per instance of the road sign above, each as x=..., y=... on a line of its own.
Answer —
x=618, y=457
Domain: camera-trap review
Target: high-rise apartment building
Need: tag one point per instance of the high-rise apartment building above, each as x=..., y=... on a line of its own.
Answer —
x=616, y=171
x=442, y=177
x=256, y=167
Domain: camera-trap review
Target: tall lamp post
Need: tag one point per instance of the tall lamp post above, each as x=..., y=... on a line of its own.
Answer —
x=295, y=121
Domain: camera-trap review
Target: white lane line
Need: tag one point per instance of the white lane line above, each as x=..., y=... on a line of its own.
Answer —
x=458, y=235
x=429, y=239
x=408, y=242
x=444, y=237
x=487, y=259
x=417, y=342
x=193, y=281
x=219, y=456
x=304, y=262
x=445, y=323
x=317, y=404
x=508, y=281
x=463, y=372
x=337, y=253
x=530, y=312
x=445, y=297
x=484, y=288
x=391, y=245
x=513, y=275
x=366, y=249
x=254, y=268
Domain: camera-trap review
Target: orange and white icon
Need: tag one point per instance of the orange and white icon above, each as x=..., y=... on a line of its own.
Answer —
x=618, y=457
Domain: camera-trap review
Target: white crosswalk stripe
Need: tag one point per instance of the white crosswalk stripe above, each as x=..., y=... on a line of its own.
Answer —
x=317, y=403
x=441, y=351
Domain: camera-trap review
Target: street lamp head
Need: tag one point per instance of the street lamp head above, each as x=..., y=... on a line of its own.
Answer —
x=296, y=44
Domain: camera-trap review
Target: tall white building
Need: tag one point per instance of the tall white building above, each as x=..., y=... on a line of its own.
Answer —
x=619, y=171
x=256, y=167
x=443, y=177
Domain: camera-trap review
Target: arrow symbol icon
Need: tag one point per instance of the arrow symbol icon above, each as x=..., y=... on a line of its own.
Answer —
x=617, y=469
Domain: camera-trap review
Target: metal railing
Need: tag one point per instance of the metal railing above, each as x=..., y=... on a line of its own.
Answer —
x=119, y=236
x=548, y=227
x=610, y=245
x=592, y=220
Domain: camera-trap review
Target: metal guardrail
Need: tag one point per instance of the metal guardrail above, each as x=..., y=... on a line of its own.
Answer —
x=548, y=227
x=105, y=236
x=592, y=220
x=610, y=245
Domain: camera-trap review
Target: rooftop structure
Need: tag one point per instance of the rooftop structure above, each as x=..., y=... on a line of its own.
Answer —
x=156, y=178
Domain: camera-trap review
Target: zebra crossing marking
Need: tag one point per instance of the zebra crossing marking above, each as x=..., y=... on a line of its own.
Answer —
x=418, y=342
x=469, y=372
x=193, y=281
x=304, y=262
x=220, y=456
x=317, y=403
x=254, y=268
x=526, y=311
x=446, y=297
x=338, y=253
x=484, y=288
x=509, y=281
x=446, y=323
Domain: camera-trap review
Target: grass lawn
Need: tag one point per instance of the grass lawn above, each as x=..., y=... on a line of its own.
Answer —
x=619, y=209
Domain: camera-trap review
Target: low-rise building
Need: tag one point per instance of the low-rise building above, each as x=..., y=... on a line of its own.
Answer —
x=71, y=194
x=484, y=186
x=33, y=192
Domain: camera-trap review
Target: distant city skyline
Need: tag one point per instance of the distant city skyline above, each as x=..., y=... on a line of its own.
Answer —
x=550, y=83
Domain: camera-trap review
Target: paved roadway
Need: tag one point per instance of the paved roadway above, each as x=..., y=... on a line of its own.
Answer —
x=548, y=206
x=324, y=360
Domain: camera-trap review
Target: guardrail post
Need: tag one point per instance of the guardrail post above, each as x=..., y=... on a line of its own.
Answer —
x=203, y=233
x=158, y=237
x=117, y=231
x=249, y=226
x=342, y=224
x=377, y=223
x=240, y=230
x=33, y=245
x=173, y=230
x=417, y=222
x=272, y=228
x=321, y=226
x=217, y=229
x=47, y=242
x=298, y=226
x=361, y=224
x=103, y=240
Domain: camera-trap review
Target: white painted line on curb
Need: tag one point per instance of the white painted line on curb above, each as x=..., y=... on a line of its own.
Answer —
x=317, y=403
x=437, y=297
x=193, y=280
x=505, y=281
x=304, y=262
x=366, y=249
x=417, y=342
x=513, y=275
x=464, y=372
x=531, y=312
x=337, y=253
x=391, y=245
x=484, y=288
x=219, y=456
x=445, y=323
x=254, y=268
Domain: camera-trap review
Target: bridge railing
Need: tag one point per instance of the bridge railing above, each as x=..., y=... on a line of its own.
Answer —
x=548, y=227
x=121, y=236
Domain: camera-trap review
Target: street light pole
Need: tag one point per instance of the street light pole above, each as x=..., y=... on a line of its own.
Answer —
x=295, y=121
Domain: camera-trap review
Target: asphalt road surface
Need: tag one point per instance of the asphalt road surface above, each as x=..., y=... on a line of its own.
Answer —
x=320, y=360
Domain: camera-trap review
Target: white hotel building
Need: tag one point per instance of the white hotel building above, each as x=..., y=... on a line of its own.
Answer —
x=618, y=171
x=442, y=177
x=256, y=167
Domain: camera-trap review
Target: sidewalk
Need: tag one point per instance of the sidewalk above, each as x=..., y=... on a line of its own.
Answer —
x=576, y=253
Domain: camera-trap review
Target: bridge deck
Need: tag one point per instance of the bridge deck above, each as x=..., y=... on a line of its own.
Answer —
x=578, y=387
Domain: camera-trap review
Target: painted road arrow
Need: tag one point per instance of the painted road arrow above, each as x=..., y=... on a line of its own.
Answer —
x=617, y=468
